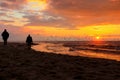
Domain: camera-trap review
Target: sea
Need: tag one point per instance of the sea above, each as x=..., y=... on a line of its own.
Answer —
x=95, y=49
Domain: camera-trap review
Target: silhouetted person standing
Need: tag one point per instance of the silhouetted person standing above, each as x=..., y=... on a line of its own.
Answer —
x=29, y=41
x=5, y=36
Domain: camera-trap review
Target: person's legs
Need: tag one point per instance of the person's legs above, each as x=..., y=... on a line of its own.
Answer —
x=5, y=42
x=29, y=45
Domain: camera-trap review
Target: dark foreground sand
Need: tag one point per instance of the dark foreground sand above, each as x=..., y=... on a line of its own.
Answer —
x=19, y=63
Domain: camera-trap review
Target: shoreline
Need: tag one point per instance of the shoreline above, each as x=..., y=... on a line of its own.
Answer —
x=19, y=63
x=80, y=51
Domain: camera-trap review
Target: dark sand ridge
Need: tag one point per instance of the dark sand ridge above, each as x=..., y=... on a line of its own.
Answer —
x=19, y=63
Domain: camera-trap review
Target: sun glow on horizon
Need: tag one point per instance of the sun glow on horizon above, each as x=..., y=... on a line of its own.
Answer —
x=97, y=37
x=104, y=32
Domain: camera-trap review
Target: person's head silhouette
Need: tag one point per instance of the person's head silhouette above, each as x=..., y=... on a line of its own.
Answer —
x=29, y=35
x=5, y=30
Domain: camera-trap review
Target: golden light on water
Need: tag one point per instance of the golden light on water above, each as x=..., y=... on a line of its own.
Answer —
x=59, y=49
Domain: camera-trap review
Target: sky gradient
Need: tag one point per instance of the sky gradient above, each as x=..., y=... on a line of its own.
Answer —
x=61, y=19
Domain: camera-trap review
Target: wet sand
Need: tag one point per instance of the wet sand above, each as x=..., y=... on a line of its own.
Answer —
x=19, y=63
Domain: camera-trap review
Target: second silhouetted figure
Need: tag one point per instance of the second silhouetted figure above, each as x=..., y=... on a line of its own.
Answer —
x=29, y=41
x=5, y=36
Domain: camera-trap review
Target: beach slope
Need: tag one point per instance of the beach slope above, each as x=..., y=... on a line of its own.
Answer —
x=19, y=63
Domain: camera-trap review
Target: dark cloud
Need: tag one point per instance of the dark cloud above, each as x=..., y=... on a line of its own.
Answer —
x=47, y=20
x=85, y=6
x=12, y=4
x=5, y=21
x=87, y=12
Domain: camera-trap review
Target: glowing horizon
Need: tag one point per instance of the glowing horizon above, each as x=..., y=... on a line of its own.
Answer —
x=61, y=20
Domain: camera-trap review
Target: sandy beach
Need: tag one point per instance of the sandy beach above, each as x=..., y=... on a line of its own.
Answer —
x=19, y=63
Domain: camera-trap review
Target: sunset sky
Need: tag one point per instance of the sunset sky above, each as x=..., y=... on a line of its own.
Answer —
x=61, y=19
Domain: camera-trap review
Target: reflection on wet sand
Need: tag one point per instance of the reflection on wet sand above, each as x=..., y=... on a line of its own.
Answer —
x=60, y=49
x=100, y=55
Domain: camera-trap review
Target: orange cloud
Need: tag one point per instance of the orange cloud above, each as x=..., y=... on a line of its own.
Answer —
x=36, y=4
x=87, y=12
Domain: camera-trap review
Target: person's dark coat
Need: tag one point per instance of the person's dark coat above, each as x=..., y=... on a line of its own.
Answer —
x=29, y=40
x=5, y=35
